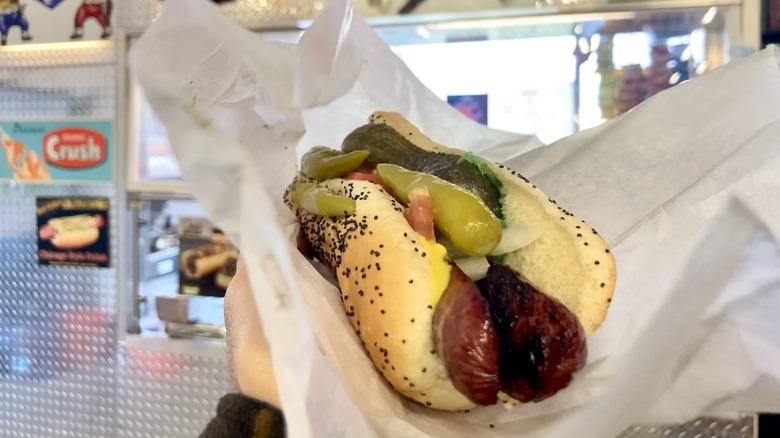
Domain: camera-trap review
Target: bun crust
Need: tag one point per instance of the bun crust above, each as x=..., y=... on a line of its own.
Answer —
x=387, y=274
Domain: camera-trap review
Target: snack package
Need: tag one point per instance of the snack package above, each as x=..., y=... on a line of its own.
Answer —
x=207, y=260
x=683, y=187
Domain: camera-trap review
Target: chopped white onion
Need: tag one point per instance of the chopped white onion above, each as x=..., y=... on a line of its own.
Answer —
x=474, y=267
x=516, y=237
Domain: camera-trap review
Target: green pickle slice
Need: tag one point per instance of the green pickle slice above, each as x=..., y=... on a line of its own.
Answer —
x=461, y=216
x=318, y=200
x=322, y=163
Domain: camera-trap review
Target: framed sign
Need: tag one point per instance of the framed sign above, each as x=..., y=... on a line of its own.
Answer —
x=65, y=151
x=73, y=231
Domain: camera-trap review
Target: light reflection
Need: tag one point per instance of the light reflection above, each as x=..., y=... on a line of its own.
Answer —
x=584, y=44
x=595, y=40
x=709, y=16
x=423, y=32
x=686, y=54
x=55, y=46
x=702, y=68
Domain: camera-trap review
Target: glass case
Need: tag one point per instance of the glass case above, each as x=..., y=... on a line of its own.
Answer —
x=152, y=166
x=553, y=75
x=546, y=72
x=166, y=300
x=541, y=71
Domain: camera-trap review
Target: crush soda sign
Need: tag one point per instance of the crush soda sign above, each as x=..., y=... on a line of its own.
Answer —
x=74, y=148
x=57, y=151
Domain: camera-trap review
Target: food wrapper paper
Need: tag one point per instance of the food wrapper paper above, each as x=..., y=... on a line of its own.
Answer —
x=685, y=188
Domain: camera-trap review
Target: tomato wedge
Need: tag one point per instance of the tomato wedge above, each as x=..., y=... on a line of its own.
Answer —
x=420, y=215
x=368, y=174
x=363, y=176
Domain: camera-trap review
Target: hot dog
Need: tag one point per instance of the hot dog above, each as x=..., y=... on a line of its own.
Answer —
x=207, y=259
x=72, y=232
x=463, y=281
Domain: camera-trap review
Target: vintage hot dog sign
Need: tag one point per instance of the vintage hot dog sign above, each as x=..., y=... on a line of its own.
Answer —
x=73, y=231
x=57, y=151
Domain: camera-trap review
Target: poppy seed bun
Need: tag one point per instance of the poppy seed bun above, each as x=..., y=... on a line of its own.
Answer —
x=568, y=261
x=391, y=277
x=386, y=275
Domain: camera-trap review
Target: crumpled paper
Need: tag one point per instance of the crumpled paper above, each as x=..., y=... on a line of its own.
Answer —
x=684, y=187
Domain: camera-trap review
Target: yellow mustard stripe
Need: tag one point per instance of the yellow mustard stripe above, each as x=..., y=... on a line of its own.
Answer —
x=440, y=269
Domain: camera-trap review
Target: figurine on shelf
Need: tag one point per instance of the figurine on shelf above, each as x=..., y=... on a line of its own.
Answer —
x=100, y=10
x=12, y=14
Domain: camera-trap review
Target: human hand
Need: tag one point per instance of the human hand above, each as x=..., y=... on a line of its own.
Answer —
x=249, y=355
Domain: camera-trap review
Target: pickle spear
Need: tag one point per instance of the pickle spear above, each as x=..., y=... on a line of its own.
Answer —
x=323, y=163
x=388, y=146
x=319, y=201
x=457, y=213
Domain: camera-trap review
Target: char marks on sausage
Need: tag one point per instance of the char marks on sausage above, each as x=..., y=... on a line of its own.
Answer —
x=542, y=344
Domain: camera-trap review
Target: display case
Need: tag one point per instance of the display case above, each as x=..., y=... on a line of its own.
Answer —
x=551, y=76
x=167, y=298
x=547, y=71
x=151, y=164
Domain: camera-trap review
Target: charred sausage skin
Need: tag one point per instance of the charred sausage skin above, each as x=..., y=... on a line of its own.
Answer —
x=542, y=343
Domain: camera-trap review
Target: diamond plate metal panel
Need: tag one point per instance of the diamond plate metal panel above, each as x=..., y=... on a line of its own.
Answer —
x=58, y=55
x=699, y=428
x=62, y=370
x=57, y=329
x=57, y=324
x=167, y=395
x=58, y=82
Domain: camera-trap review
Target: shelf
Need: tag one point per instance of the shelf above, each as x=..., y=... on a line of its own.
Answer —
x=168, y=191
x=573, y=12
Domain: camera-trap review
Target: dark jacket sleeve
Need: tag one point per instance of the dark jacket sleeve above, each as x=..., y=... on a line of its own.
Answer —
x=241, y=417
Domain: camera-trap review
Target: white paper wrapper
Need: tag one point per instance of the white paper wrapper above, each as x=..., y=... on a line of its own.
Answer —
x=685, y=188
